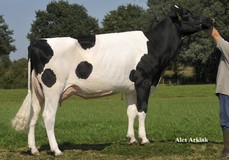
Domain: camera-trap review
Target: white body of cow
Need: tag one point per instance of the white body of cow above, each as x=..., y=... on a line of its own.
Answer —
x=113, y=57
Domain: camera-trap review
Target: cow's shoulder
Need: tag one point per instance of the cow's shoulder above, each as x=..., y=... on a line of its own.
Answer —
x=128, y=39
x=127, y=34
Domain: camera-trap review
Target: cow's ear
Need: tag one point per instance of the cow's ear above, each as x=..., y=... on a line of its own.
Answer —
x=177, y=12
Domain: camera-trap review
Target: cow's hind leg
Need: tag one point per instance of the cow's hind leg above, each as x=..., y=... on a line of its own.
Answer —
x=36, y=107
x=132, y=113
x=49, y=115
x=31, y=135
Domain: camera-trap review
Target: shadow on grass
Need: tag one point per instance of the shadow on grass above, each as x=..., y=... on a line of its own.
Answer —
x=84, y=147
x=155, y=148
x=71, y=146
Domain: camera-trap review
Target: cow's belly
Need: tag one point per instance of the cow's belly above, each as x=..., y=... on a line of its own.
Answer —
x=101, y=82
x=96, y=89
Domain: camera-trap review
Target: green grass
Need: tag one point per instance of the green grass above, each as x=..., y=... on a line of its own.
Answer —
x=96, y=128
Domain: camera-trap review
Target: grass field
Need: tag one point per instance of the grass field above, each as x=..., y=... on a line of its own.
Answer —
x=96, y=128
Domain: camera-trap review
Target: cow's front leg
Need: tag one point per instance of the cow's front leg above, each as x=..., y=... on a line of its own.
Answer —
x=143, y=91
x=132, y=113
x=141, y=132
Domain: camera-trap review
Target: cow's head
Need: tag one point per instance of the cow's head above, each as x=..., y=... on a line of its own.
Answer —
x=189, y=22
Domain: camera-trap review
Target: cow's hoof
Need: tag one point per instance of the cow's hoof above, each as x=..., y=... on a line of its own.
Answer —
x=144, y=141
x=34, y=151
x=131, y=140
x=37, y=153
x=58, y=153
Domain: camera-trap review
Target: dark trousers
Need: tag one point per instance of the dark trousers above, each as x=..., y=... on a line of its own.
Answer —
x=224, y=111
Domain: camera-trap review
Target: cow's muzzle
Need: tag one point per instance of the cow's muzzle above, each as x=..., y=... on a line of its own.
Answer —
x=213, y=22
x=208, y=23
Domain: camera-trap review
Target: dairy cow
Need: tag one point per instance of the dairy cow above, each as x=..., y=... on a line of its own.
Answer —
x=129, y=62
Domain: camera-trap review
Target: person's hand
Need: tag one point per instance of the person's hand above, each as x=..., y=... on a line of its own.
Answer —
x=215, y=34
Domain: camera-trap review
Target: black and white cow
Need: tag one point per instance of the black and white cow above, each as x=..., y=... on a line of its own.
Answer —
x=128, y=62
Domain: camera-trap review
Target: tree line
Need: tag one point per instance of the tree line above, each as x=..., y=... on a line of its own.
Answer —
x=62, y=19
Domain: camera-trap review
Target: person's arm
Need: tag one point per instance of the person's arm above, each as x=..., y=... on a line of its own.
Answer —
x=222, y=44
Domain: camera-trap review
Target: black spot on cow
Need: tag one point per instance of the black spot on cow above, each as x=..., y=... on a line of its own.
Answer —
x=48, y=78
x=40, y=54
x=86, y=42
x=83, y=70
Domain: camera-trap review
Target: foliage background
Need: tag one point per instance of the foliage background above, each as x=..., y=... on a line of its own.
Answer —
x=64, y=19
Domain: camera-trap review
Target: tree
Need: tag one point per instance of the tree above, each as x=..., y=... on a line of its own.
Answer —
x=62, y=19
x=125, y=18
x=6, y=39
x=5, y=64
x=13, y=74
x=158, y=9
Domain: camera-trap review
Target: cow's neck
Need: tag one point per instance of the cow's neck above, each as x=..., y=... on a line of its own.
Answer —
x=164, y=41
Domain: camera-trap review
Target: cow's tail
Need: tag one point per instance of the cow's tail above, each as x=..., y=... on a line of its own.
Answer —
x=22, y=118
